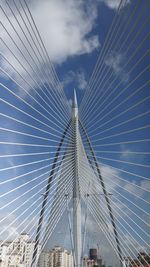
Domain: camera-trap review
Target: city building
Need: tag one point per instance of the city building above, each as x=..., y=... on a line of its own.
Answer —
x=93, y=259
x=57, y=257
x=142, y=260
x=17, y=253
x=45, y=259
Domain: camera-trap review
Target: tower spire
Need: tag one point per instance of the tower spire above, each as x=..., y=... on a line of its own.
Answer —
x=74, y=103
x=74, y=106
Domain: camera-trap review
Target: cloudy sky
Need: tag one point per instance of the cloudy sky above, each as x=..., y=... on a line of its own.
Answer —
x=101, y=48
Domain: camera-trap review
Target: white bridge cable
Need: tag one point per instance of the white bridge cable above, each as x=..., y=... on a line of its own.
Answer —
x=100, y=61
x=116, y=207
x=27, y=144
x=54, y=204
x=25, y=80
x=43, y=48
x=122, y=234
x=31, y=38
x=70, y=230
x=125, y=248
x=127, y=181
x=127, y=172
x=29, y=198
x=27, y=124
x=119, y=50
x=84, y=167
x=30, y=181
x=111, y=30
x=114, y=89
x=26, y=113
x=52, y=214
x=125, y=132
x=124, y=171
x=25, y=46
x=30, y=135
x=124, y=89
x=57, y=200
x=53, y=152
x=85, y=225
x=33, y=226
x=107, y=233
x=33, y=30
x=57, y=219
x=124, y=111
x=30, y=154
x=52, y=68
x=124, y=162
x=116, y=106
x=26, y=192
x=123, y=142
x=125, y=205
x=62, y=184
x=95, y=110
x=86, y=183
x=89, y=181
x=29, y=190
x=59, y=216
x=54, y=182
x=24, y=69
x=143, y=221
x=130, y=183
x=10, y=77
x=122, y=123
x=31, y=86
x=114, y=152
x=32, y=171
x=55, y=216
x=118, y=214
x=111, y=241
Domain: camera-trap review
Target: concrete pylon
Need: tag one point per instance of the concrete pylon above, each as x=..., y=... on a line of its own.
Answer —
x=76, y=190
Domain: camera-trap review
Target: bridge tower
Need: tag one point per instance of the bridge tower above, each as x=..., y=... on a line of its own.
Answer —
x=76, y=190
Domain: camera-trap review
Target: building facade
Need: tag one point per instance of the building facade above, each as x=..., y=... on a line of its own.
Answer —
x=57, y=257
x=17, y=253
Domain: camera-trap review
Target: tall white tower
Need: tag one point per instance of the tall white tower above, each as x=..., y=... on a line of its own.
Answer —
x=76, y=190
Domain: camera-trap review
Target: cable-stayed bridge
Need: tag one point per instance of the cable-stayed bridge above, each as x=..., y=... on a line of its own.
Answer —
x=81, y=169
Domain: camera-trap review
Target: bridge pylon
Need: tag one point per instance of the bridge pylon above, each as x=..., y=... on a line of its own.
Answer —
x=77, y=236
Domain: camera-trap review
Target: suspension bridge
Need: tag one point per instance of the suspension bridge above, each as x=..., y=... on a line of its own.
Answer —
x=68, y=167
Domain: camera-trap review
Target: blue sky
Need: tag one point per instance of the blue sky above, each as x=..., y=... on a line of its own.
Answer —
x=117, y=103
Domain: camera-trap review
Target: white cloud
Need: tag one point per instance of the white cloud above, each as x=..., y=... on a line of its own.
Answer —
x=126, y=154
x=78, y=78
x=108, y=174
x=116, y=62
x=82, y=83
x=65, y=27
x=133, y=189
x=114, y=4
